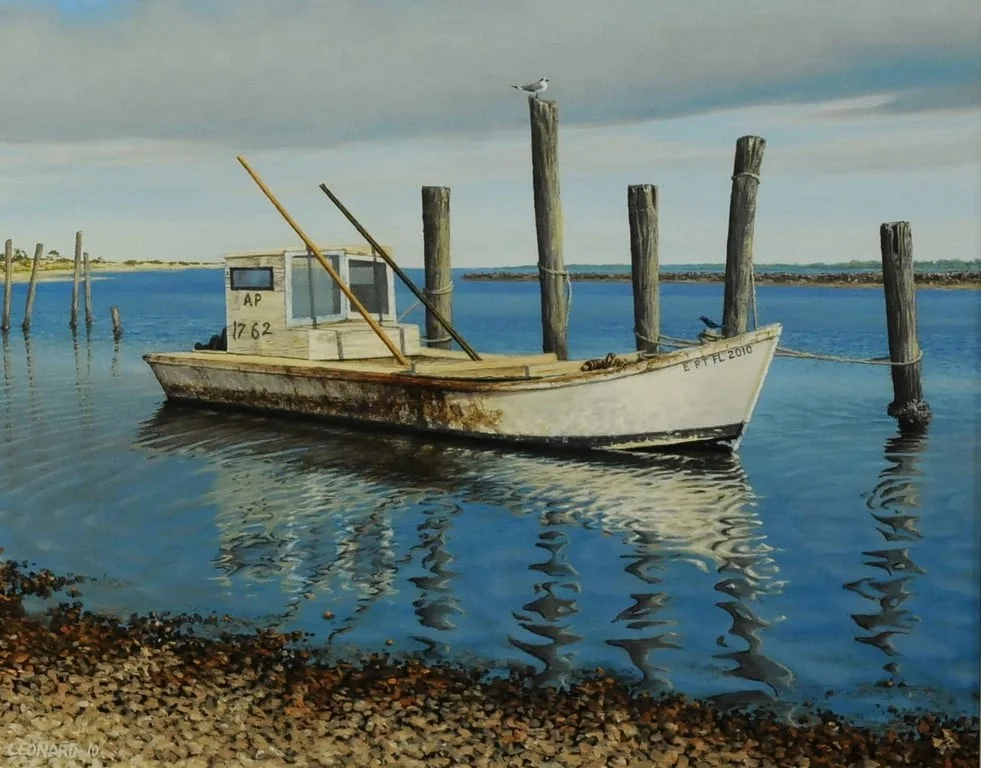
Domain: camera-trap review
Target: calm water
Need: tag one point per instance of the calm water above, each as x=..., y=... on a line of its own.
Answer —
x=831, y=557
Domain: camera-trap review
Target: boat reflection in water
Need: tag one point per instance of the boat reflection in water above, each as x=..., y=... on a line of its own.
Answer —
x=325, y=511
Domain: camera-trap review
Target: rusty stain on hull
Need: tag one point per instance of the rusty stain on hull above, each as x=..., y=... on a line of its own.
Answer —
x=405, y=406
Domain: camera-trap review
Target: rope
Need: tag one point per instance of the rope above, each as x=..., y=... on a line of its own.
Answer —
x=749, y=174
x=568, y=294
x=599, y=363
x=448, y=288
x=785, y=352
x=642, y=337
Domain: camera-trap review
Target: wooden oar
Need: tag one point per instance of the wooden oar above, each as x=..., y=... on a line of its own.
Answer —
x=398, y=271
x=315, y=251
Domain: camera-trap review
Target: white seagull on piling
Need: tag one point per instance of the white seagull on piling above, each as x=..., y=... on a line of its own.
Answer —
x=538, y=87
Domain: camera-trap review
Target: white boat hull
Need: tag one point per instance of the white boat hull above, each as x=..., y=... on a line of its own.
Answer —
x=702, y=394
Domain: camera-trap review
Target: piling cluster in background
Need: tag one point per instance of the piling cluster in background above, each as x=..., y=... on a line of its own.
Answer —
x=81, y=272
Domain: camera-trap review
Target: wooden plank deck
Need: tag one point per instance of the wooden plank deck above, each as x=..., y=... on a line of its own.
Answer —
x=428, y=365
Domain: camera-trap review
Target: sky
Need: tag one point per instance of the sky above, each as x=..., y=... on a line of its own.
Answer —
x=123, y=119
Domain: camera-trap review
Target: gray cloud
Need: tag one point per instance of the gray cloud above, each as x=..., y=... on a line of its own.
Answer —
x=302, y=73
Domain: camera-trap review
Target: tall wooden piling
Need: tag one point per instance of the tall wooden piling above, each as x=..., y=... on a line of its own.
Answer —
x=117, y=324
x=739, y=287
x=73, y=322
x=88, y=289
x=908, y=405
x=552, y=275
x=8, y=283
x=644, y=265
x=32, y=288
x=436, y=259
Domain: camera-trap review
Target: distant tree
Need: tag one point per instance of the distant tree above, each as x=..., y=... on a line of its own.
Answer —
x=53, y=254
x=20, y=254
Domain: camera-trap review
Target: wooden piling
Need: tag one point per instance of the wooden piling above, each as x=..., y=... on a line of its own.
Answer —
x=73, y=322
x=88, y=289
x=739, y=288
x=908, y=405
x=117, y=324
x=642, y=215
x=552, y=275
x=436, y=259
x=32, y=288
x=8, y=283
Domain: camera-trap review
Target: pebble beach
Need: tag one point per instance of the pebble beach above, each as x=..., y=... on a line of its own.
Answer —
x=81, y=689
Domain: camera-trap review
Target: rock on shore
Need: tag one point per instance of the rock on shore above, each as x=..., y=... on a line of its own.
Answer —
x=80, y=689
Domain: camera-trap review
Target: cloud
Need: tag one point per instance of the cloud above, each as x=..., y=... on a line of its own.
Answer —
x=827, y=184
x=951, y=98
x=253, y=74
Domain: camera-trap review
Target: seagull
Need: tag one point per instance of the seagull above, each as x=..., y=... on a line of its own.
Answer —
x=536, y=88
x=709, y=323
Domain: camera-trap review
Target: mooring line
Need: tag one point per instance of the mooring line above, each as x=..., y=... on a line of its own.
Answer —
x=787, y=352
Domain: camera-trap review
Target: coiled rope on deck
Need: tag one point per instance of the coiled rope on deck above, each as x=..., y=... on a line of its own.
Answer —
x=612, y=360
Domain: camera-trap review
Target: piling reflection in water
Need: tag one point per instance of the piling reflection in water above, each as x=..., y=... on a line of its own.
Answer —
x=892, y=503
x=8, y=381
x=555, y=601
x=749, y=574
x=646, y=560
x=318, y=509
x=436, y=605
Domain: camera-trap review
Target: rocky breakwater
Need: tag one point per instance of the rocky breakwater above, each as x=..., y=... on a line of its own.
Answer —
x=80, y=689
x=959, y=279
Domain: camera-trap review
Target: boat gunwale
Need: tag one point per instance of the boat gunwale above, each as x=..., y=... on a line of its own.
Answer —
x=398, y=376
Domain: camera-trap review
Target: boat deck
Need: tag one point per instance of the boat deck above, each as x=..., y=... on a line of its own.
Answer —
x=443, y=364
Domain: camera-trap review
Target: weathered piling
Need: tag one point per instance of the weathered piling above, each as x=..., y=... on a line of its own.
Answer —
x=117, y=324
x=32, y=288
x=73, y=322
x=88, y=289
x=8, y=283
x=642, y=215
x=436, y=259
x=552, y=275
x=908, y=405
x=739, y=289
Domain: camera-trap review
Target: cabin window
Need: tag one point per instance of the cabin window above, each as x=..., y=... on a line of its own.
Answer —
x=369, y=282
x=251, y=278
x=315, y=295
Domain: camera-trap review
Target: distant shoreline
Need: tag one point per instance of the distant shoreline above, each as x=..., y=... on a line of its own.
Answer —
x=58, y=272
x=960, y=280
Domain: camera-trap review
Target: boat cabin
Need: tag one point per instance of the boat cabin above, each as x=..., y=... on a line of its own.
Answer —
x=285, y=304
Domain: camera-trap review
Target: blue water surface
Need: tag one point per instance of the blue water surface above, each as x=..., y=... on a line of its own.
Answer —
x=832, y=560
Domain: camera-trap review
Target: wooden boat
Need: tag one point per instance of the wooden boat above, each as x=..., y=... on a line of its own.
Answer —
x=328, y=343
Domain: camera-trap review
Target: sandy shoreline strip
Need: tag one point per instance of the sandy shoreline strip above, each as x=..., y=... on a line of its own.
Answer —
x=156, y=691
x=61, y=274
